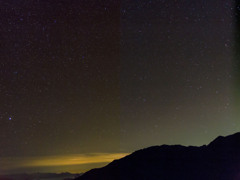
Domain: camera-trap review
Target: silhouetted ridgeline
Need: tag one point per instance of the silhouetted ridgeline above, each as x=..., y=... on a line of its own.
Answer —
x=220, y=160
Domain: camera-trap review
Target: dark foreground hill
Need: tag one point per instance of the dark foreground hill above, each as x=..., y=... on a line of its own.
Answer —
x=220, y=160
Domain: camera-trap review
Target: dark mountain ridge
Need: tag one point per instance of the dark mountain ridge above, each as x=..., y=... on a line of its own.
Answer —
x=219, y=160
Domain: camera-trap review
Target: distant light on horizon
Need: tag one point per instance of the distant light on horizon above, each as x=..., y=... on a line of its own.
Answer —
x=49, y=162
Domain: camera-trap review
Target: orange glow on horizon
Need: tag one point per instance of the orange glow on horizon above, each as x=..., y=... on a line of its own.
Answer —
x=61, y=160
x=76, y=159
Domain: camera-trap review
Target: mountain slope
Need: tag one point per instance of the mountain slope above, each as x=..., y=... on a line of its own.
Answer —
x=220, y=160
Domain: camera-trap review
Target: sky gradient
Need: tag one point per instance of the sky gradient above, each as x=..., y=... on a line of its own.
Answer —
x=110, y=77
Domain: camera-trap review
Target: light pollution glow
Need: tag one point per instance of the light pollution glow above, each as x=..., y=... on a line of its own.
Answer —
x=53, y=161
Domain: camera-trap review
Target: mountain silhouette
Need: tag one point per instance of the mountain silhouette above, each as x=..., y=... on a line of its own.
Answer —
x=219, y=160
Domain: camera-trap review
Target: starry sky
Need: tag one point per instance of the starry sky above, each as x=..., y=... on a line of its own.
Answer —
x=85, y=82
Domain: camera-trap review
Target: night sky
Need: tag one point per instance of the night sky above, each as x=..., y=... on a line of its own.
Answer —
x=84, y=82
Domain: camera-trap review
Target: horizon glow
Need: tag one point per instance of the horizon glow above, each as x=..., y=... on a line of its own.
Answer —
x=48, y=162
